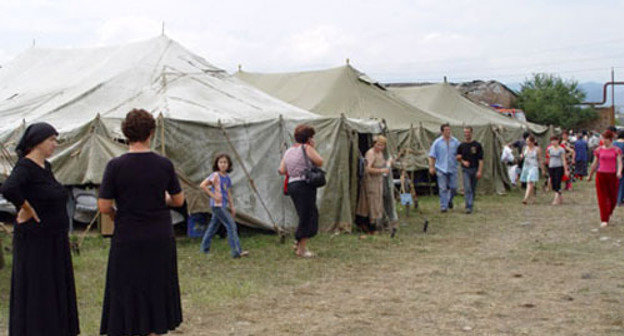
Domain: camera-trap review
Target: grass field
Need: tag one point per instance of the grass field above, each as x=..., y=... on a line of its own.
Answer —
x=507, y=269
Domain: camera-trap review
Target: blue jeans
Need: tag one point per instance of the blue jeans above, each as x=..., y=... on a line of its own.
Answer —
x=447, y=185
x=470, y=185
x=221, y=215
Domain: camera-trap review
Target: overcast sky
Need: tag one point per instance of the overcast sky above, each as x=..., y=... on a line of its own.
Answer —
x=390, y=40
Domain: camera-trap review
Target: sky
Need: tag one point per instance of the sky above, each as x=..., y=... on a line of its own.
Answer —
x=391, y=40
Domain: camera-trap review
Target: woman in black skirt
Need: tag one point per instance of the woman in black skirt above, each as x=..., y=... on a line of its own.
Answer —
x=43, y=294
x=142, y=295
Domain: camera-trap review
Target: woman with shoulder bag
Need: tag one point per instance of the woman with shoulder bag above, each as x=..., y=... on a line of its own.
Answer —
x=298, y=163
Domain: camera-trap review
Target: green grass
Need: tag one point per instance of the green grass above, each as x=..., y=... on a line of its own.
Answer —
x=208, y=283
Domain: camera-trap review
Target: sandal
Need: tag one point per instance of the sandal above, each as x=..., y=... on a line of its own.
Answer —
x=306, y=254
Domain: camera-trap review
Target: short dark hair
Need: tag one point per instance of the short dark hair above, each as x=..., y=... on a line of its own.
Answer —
x=443, y=126
x=620, y=134
x=525, y=135
x=554, y=137
x=215, y=163
x=469, y=128
x=303, y=133
x=608, y=134
x=612, y=129
x=138, y=125
x=531, y=139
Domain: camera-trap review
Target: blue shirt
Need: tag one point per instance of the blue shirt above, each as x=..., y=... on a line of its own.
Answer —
x=220, y=184
x=580, y=148
x=445, y=154
x=619, y=145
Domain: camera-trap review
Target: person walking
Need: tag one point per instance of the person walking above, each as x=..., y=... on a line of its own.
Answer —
x=532, y=158
x=570, y=157
x=470, y=155
x=443, y=164
x=581, y=157
x=557, y=167
x=619, y=143
x=507, y=157
x=297, y=159
x=220, y=199
x=43, y=293
x=142, y=293
x=608, y=167
x=371, y=202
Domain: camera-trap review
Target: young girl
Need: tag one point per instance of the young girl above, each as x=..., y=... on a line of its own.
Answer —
x=218, y=186
x=530, y=170
x=557, y=167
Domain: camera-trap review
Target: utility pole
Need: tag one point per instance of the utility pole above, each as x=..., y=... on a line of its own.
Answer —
x=613, y=90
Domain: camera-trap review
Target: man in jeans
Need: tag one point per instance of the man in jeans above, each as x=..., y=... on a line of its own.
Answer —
x=443, y=164
x=470, y=155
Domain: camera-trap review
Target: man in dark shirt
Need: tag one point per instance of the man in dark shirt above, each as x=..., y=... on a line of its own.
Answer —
x=470, y=156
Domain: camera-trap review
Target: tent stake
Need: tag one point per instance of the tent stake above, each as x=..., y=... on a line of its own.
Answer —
x=251, y=181
x=84, y=234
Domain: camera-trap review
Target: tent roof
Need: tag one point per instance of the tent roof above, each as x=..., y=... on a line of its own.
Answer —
x=69, y=87
x=446, y=101
x=341, y=90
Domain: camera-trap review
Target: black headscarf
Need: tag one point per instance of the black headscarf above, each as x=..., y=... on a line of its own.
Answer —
x=35, y=134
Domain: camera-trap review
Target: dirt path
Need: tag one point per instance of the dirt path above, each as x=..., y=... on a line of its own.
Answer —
x=506, y=270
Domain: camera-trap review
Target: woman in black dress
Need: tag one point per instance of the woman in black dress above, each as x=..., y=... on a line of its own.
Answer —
x=142, y=295
x=43, y=294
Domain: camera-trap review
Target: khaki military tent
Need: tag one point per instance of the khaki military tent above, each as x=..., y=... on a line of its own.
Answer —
x=341, y=90
x=447, y=102
x=200, y=109
x=345, y=90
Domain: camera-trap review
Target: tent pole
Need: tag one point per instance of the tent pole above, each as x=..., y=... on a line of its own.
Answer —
x=162, y=134
x=1, y=255
x=283, y=147
x=251, y=181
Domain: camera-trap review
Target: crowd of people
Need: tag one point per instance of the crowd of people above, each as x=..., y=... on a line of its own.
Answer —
x=566, y=159
x=142, y=293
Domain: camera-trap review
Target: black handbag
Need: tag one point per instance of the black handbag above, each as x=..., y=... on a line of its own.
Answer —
x=314, y=176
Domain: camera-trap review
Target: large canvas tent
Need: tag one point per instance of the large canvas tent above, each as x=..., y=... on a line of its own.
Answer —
x=345, y=90
x=340, y=90
x=447, y=102
x=200, y=110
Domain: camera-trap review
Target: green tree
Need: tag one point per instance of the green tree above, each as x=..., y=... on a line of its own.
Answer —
x=549, y=100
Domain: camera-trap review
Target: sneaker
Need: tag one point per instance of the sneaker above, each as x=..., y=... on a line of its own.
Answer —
x=604, y=224
x=468, y=211
x=443, y=210
x=393, y=233
x=451, y=205
x=244, y=253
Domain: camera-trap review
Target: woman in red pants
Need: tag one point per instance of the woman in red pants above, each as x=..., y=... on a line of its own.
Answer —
x=608, y=161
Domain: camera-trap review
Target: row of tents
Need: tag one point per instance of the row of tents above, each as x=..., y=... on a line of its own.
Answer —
x=202, y=110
